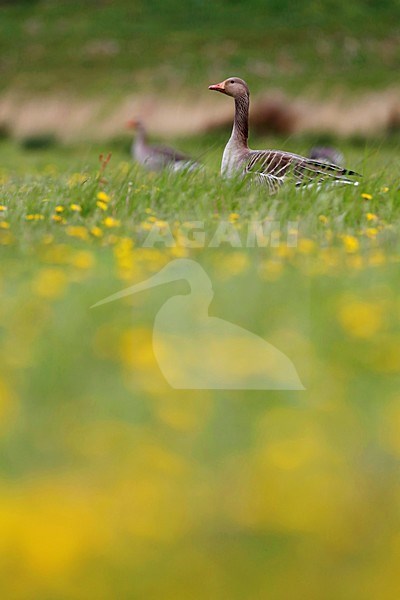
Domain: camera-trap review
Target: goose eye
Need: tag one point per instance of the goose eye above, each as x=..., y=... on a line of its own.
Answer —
x=232, y=81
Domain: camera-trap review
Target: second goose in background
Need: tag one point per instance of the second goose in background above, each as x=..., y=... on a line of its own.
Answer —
x=156, y=158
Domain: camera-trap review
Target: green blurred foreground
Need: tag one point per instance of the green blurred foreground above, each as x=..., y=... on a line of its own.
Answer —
x=114, y=485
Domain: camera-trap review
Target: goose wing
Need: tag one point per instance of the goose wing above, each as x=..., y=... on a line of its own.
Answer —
x=272, y=167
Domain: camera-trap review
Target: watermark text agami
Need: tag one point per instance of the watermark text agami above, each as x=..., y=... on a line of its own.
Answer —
x=199, y=234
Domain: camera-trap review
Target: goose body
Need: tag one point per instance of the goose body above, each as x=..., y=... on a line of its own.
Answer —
x=157, y=158
x=269, y=167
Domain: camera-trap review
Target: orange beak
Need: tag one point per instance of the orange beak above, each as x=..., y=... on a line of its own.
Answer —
x=132, y=124
x=218, y=87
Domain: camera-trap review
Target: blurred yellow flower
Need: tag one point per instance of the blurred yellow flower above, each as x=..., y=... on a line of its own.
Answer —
x=83, y=259
x=323, y=219
x=34, y=217
x=366, y=196
x=103, y=197
x=360, y=318
x=111, y=222
x=59, y=208
x=306, y=246
x=101, y=204
x=4, y=225
x=58, y=219
x=351, y=243
x=49, y=283
x=371, y=216
x=78, y=231
x=76, y=207
x=96, y=231
x=2, y=207
x=371, y=232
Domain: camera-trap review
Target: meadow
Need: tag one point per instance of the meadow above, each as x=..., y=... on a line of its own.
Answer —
x=112, y=483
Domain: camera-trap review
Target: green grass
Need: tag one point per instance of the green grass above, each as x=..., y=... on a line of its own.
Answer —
x=114, y=484
x=115, y=48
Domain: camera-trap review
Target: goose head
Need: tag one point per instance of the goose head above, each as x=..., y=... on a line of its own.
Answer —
x=136, y=125
x=233, y=86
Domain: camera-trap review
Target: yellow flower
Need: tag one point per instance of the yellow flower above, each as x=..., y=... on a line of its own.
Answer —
x=4, y=225
x=83, y=259
x=323, y=219
x=78, y=232
x=384, y=189
x=371, y=217
x=59, y=208
x=96, y=231
x=103, y=197
x=148, y=211
x=306, y=246
x=101, y=204
x=34, y=217
x=2, y=207
x=234, y=217
x=366, y=196
x=371, y=232
x=76, y=207
x=359, y=318
x=111, y=222
x=50, y=283
x=58, y=219
x=351, y=243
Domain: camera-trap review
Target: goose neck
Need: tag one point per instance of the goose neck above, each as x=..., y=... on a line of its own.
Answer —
x=240, y=132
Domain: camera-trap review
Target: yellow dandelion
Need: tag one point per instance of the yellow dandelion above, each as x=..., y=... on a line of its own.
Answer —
x=306, y=246
x=351, y=243
x=384, y=189
x=78, y=232
x=59, y=209
x=4, y=225
x=366, y=196
x=111, y=222
x=101, y=204
x=234, y=217
x=58, y=219
x=371, y=232
x=152, y=219
x=34, y=217
x=323, y=219
x=2, y=208
x=103, y=197
x=96, y=231
x=360, y=318
x=83, y=259
x=49, y=283
x=76, y=207
x=371, y=217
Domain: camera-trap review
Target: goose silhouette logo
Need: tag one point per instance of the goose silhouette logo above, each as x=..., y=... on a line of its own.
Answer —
x=196, y=351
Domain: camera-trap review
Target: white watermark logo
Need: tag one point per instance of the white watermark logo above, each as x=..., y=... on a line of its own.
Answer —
x=197, y=351
x=193, y=234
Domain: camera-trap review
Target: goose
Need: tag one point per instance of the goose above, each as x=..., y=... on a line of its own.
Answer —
x=156, y=158
x=269, y=167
